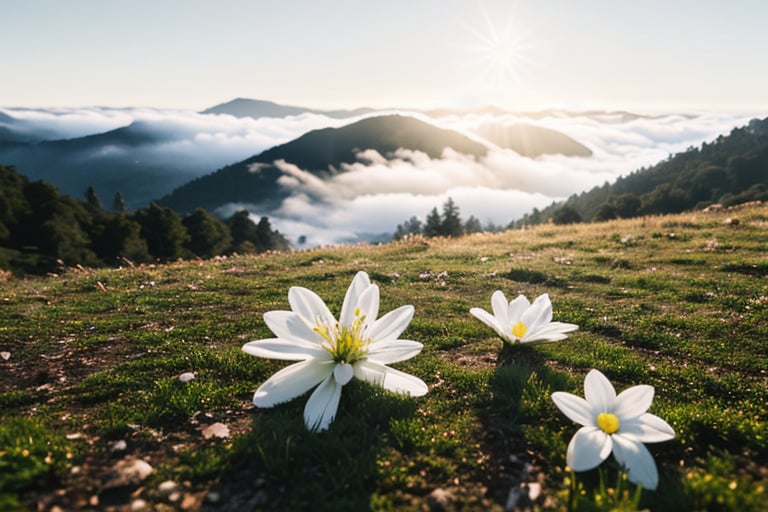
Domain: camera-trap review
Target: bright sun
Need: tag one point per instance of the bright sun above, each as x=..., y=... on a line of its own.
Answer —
x=499, y=52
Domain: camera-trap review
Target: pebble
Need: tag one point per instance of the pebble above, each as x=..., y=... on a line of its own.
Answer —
x=187, y=376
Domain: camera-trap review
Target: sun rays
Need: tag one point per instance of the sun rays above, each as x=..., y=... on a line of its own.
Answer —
x=498, y=50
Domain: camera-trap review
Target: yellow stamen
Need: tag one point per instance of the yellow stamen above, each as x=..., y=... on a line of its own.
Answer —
x=345, y=343
x=519, y=330
x=608, y=422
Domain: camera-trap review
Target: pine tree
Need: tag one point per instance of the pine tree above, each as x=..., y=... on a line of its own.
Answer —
x=410, y=227
x=118, y=203
x=472, y=225
x=163, y=230
x=433, y=225
x=208, y=236
x=92, y=198
x=451, y=221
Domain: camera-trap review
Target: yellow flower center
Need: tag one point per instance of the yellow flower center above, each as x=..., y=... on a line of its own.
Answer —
x=345, y=343
x=519, y=330
x=608, y=422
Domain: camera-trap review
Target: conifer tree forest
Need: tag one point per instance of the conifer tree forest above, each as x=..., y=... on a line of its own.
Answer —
x=42, y=230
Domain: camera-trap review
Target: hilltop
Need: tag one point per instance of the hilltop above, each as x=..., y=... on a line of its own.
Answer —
x=322, y=152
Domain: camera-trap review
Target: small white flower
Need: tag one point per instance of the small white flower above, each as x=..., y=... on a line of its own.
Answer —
x=618, y=424
x=332, y=352
x=521, y=321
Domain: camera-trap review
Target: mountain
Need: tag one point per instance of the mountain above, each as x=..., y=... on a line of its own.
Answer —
x=141, y=161
x=730, y=170
x=531, y=140
x=244, y=107
x=321, y=152
x=14, y=131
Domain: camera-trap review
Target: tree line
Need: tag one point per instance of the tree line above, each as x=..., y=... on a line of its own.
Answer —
x=445, y=223
x=41, y=230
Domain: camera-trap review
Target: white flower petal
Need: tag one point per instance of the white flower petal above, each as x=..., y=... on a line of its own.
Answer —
x=554, y=330
x=309, y=306
x=291, y=382
x=491, y=321
x=288, y=325
x=500, y=308
x=539, y=314
x=369, y=305
x=544, y=334
x=391, y=325
x=633, y=402
x=515, y=310
x=599, y=392
x=589, y=447
x=638, y=461
x=395, y=380
x=321, y=407
x=386, y=352
x=648, y=428
x=359, y=284
x=343, y=373
x=288, y=350
x=371, y=373
x=576, y=408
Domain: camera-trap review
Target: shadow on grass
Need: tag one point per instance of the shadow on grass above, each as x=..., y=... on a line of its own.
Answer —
x=532, y=436
x=280, y=465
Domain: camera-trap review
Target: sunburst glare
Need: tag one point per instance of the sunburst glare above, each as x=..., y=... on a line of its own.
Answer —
x=500, y=50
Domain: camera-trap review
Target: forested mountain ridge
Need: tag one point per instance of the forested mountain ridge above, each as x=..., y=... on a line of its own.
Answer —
x=729, y=170
x=321, y=152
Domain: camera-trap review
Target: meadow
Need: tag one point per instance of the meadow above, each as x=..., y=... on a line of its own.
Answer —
x=93, y=414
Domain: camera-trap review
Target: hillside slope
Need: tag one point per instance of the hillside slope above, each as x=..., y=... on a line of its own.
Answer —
x=91, y=360
x=729, y=170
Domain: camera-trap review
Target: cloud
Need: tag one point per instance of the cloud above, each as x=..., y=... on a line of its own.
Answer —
x=374, y=195
x=188, y=131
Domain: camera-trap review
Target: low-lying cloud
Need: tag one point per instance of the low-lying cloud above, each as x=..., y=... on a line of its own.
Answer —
x=376, y=193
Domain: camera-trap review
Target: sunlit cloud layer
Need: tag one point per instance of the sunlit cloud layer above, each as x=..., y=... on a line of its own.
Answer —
x=380, y=191
x=376, y=194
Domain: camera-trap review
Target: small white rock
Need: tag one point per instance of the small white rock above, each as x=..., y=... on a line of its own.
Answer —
x=138, y=505
x=215, y=430
x=169, y=490
x=119, y=446
x=187, y=376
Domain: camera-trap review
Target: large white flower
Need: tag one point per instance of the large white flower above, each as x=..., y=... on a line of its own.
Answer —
x=521, y=321
x=618, y=424
x=332, y=352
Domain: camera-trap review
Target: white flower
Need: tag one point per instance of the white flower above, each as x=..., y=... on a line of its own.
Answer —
x=521, y=321
x=618, y=424
x=332, y=352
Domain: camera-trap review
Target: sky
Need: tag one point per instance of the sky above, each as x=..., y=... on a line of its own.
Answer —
x=653, y=55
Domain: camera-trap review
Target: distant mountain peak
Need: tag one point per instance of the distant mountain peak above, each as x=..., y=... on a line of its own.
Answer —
x=247, y=107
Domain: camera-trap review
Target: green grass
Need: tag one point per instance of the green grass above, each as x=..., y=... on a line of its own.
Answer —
x=677, y=302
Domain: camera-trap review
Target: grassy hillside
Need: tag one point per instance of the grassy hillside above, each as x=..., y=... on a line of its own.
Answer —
x=90, y=363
